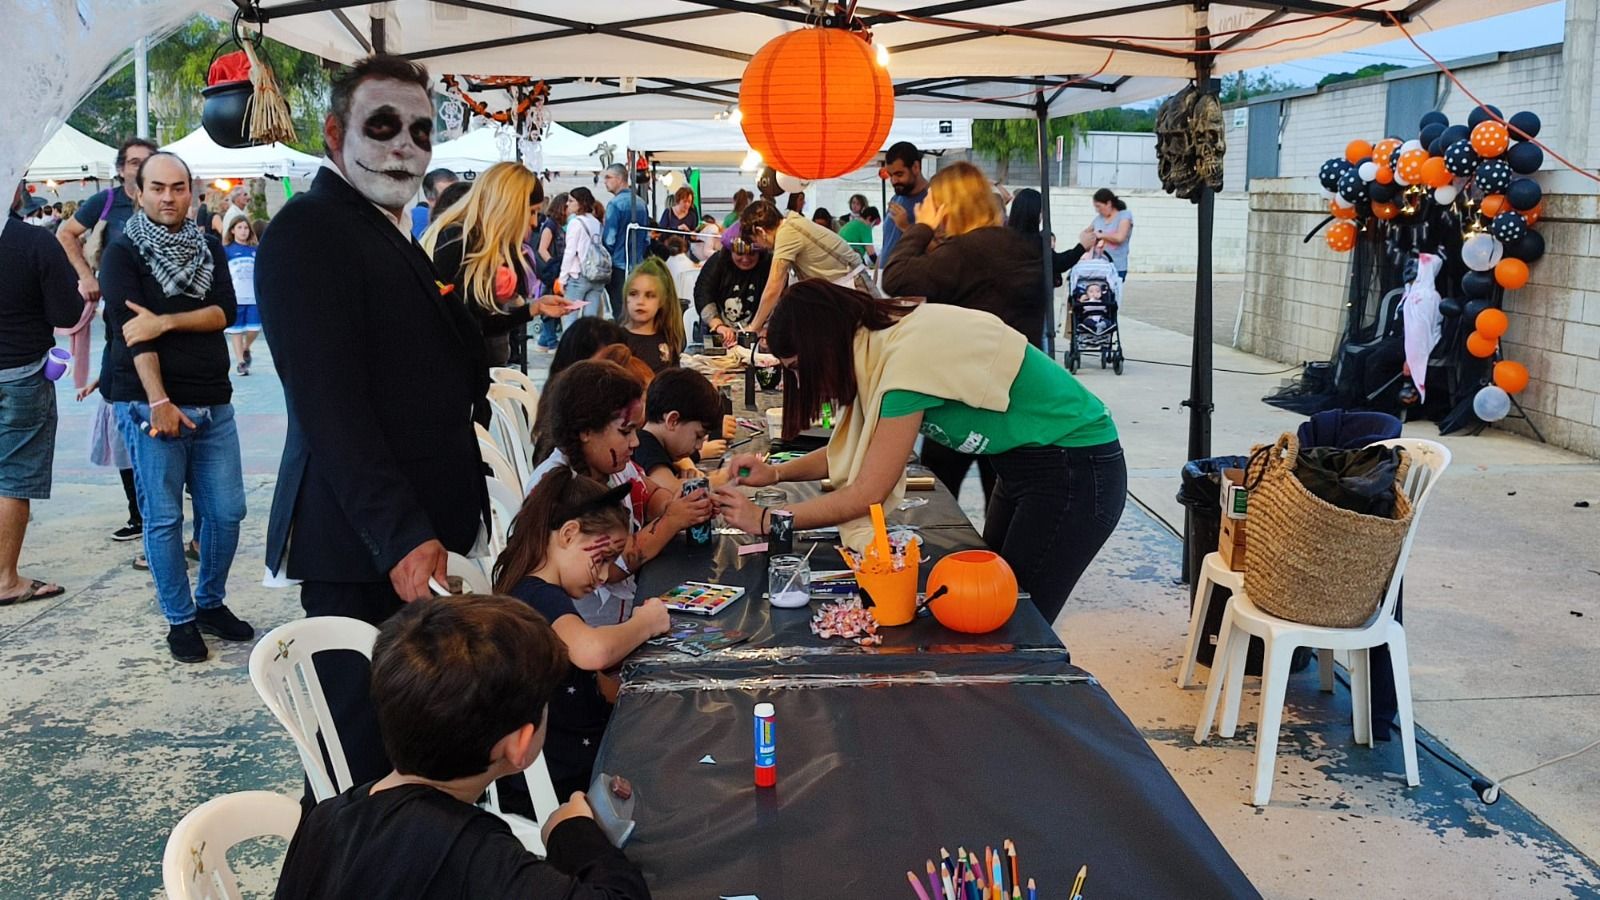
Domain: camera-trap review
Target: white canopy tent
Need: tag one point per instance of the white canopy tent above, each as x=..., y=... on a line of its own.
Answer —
x=561, y=150
x=722, y=141
x=71, y=155
x=208, y=160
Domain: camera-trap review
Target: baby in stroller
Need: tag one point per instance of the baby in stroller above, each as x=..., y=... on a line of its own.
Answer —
x=1092, y=291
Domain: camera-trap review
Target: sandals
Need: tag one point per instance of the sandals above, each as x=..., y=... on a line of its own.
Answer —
x=38, y=590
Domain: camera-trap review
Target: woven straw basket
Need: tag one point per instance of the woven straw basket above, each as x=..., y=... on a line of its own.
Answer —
x=1309, y=561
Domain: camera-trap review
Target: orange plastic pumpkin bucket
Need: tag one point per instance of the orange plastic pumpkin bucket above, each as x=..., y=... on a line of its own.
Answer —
x=894, y=594
x=973, y=591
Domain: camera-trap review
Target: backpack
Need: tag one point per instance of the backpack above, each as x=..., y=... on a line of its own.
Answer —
x=94, y=243
x=596, y=263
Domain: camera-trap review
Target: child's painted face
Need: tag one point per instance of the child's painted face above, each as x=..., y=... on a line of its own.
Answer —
x=607, y=451
x=644, y=300
x=582, y=559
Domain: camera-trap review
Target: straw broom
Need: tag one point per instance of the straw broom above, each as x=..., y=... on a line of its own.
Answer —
x=268, y=115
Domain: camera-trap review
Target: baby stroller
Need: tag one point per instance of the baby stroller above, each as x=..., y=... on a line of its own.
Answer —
x=1093, y=287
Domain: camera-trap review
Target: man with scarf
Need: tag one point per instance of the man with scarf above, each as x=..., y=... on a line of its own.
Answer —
x=167, y=291
x=382, y=366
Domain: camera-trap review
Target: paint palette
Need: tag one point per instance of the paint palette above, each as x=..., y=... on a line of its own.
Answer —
x=701, y=599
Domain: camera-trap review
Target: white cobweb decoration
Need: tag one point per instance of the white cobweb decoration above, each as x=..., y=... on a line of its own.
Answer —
x=56, y=52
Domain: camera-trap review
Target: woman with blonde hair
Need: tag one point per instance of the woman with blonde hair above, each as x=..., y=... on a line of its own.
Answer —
x=960, y=252
x=477, y=247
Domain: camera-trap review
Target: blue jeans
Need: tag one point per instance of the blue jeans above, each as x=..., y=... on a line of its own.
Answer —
x=592, y=294
x=207, y=458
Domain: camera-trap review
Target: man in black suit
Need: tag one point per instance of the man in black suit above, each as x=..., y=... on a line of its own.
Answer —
x=381, y=368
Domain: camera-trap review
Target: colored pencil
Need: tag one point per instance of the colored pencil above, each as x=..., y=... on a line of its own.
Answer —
x=1033, y=892
x=921, y=894
x=1077, y=883
x=1016, y=892
x=933, y=883
x=950, y=888
x=1011, y=851
x=972, y=888
x=944, y=860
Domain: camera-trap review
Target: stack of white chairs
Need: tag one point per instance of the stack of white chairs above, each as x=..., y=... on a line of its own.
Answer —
x=195, y=863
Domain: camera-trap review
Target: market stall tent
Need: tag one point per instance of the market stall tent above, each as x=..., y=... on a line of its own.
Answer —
x=714, y=142
x=208, y=160
x=561, y=150
x=70, y=155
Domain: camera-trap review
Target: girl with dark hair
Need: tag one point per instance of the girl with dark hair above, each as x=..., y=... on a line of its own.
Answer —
x=562, y=544
x=1113, y=228
x=583, y=233
x=1027, y=212
x=960, y=378
x=596, y=409
x=547, y=263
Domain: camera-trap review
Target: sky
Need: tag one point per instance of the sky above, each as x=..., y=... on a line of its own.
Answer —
x=1513, y=31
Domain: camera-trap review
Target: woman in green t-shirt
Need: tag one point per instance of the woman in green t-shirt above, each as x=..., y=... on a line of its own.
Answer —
x=936, y=371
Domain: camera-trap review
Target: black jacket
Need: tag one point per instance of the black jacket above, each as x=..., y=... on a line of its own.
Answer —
x=194, y=364
x=993, y=269
x=496, y=328
x=38, y=292
x=381, y=372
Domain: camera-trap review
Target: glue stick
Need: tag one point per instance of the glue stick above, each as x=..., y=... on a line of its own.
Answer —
x=766, y=736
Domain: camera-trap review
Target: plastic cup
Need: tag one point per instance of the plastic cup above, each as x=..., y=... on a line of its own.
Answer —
x=57, y=363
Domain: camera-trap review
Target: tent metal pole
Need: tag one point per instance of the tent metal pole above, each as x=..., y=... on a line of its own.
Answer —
x=1200, y=396
x=1041, y=111
x=141, y=87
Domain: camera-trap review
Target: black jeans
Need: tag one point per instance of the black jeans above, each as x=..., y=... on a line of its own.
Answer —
x=950, y=467
x=1052, y=511
x=345, y=675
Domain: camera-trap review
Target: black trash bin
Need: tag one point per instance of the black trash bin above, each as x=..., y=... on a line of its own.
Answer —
x=1201, y=496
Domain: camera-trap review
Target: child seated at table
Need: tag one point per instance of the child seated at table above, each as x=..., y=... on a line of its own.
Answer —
x=564, y=539
x=680, y=409
x=596, y=409
x=460, y=686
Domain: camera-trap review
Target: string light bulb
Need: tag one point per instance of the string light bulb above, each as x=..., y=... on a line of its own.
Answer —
x=883, y=56
x=752, y=161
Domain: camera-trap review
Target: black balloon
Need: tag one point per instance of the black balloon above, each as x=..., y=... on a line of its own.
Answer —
x=1527, y=248
x=1328, y=174
x=1430, y=132
x=1508, y=226
x=1524, y=158
x=1525, y=122
x=767, y=184
x=1433, y=117
x=1436, y=148
x=1482, y=114
x=1382, y=193
x=1473, y=308
x=1477, y=284
x=1524, y=194
x=1394, y=159
x=1456, y=133
x=1494, y=176
x=1450, y=306
x=1461, y=159
x=1351, y=187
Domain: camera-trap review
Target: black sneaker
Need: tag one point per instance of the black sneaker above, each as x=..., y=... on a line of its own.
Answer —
x=186, y=643
x=191, y=551
x=219, y=621
x=129, y=532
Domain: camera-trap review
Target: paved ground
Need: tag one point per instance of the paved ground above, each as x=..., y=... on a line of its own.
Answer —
x=108, y=742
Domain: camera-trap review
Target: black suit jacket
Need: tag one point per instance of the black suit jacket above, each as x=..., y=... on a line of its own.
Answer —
x=381, y=373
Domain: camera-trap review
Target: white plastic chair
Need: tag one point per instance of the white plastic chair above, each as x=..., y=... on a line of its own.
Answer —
x=195, y=863
x=515, y=378
x=474, y=576
x=508, y=430
x=1243, y=619
x=520, y=400
x=1214, y=573
x=503, y=506
x=502, y=469
x=281, y=670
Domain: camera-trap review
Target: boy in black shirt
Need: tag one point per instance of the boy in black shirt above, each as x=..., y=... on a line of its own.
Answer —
x=455, y=681
x=680, y=409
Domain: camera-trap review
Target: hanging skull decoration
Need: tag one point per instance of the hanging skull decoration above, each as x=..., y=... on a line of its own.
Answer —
x=1207, y=140
x=1172, y=141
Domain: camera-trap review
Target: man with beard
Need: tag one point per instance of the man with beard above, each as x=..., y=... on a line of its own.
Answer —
x=903, y=162
x=381, y=366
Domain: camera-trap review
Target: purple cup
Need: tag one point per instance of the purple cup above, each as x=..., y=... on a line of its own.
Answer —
x=56, y=364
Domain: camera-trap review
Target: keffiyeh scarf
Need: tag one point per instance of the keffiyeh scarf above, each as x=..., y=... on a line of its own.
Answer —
x=180, y=260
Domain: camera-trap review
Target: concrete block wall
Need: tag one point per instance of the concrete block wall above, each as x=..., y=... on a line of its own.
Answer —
x=1294, y=301
x=1163, y=228
x=1527, y=79
x=1320, y=125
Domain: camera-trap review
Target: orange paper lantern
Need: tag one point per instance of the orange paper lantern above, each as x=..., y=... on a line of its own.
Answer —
x=1492, y=323
x=1356, y=151
x=1490, y=139
x=973, y=591
x=1493, y=205
x=1480, y=346
x=1511, y=377
x=1510, y=274
x=815, y=103
x=1341, y=237
x=1385, y=211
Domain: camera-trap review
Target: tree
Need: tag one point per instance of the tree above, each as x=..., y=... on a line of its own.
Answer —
x=1363, y=72
x=1004, y=140
x=1244, y=85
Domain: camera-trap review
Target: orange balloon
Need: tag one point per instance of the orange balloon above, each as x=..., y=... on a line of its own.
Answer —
x=1341, y=237
x=1492, y=323
x=1385, y=148
x=1385, y=211
x=1434, y=173
x=1410, y=169
x=1490, y=139
x=815, y=103
x=1356, y=151
x=1385, y=175
x=1341, y=212
x=1480, y=346
x=1493, y=205
x=1532, y=216
x=1511, y=274
x=1511, y=377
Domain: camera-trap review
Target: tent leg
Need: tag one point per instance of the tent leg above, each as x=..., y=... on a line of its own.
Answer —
x=1200, y=396
x=1047, y=269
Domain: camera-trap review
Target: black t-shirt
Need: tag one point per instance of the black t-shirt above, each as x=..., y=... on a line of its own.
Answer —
x=654, y=350
x=728, y=292
x=418, y=841
x=650, y=455
x=578, y=711
x=88, y=214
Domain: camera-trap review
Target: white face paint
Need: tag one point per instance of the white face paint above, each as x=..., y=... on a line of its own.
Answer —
x=388, y=142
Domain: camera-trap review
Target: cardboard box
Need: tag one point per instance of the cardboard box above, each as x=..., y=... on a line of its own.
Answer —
x=1235, y=499
x=1230, y=546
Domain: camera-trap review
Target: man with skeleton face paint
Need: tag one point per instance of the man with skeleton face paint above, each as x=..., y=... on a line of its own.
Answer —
x=382, y=369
